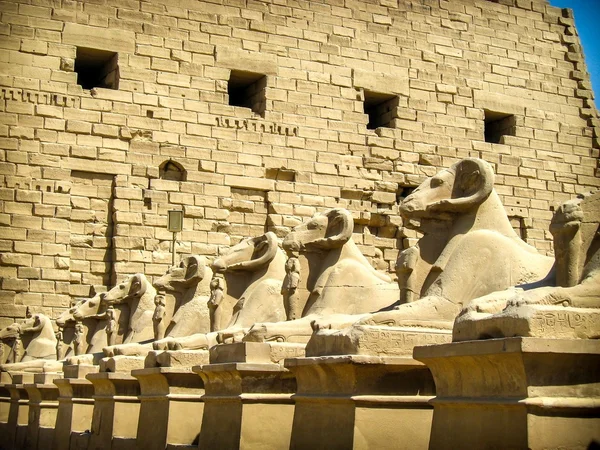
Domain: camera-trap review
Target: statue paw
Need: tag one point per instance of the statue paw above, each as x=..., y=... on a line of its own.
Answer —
x=316, y=325
x=257, y=333
x=162, y=344
x=176, y=346
x=378, y=319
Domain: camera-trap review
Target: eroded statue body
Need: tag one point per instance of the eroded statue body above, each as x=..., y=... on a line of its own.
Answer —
x=468, y=249
x=346, y=281
x=568, y=308
x=261, y=300
x=189, y=282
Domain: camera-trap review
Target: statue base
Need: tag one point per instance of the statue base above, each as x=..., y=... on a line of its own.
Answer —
x=176, y=358
x=259, y=352
x=4, y=413
x=75, y=407
x=515, y=393
x=533, y=320
x=171, y=406
x=247, y=394
x=116, y=410
x=121, y=363
x=43, y=406
x=18, y=414
x=374, y=340
x=357, y=401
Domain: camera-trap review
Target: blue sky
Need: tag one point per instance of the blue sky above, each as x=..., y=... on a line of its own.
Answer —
x=587, y=15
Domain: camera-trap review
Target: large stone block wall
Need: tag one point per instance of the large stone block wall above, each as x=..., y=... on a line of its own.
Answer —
x=87, y=176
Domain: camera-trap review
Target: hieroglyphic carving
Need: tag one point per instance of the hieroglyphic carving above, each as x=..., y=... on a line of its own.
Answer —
x=557, y=322
x=393, y=341
x=28, y=183
x=281, y=351
x=255, y=125
x=39, y=98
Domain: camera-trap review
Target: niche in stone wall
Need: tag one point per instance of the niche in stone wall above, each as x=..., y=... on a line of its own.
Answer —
x=92, y=229
x=518, y=224
x=171, y=170
x=497, y=125
x=381, y=109
x=97, y=68
x=248, y=90
x=281, y=174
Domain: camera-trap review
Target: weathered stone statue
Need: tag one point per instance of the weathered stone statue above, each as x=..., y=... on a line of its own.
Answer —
x=567, y=308
x=468, y=249
x=190, y=282
x=88, y=311
x=482, y=253
x=111, y=324
x=11, y=341
x=217, y=286
x=158, y=318
x=346, y=281
x=291, y=284
x=137, y=291
x=78, y=340
x=41, y=345
x=262, y=299
x=59, y=343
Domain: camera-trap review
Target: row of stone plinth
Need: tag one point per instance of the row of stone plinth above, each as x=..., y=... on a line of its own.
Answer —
x=500, y=393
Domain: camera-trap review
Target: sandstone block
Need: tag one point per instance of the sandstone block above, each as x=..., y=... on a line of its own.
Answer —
x=93, y=37
x=396, y=83
x=232, y=58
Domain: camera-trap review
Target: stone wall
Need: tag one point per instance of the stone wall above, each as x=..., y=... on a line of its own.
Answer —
x=252, y=115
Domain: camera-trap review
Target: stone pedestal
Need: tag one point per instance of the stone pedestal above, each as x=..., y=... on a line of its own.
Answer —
x=361, y=402
x=375, y=340
x=75, y=408
x=116, y=410
x=43, y=406
x=4, y=407
x=171, y=406
x=515, y=393
x=18, y=414
x=248, y=399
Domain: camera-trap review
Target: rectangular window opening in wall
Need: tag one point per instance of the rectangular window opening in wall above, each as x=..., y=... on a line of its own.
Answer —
x=497, y=125
x=248, y=89
x=381, y=108
x=97, y=68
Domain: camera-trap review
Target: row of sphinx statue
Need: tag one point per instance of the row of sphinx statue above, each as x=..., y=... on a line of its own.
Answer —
x=469, y=276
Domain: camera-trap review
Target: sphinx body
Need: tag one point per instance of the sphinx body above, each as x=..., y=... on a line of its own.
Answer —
x=40, y=350
x=190, y=282
x=482, y=253
x=262, y=299
x=566, y=308
x=137, y=291
x=346, y=282
x=11, y=344
x=468, y=250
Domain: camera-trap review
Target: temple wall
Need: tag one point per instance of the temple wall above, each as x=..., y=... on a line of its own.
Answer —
x=250, y=116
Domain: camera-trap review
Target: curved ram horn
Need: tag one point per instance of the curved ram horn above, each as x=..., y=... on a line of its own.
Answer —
x=465, y=171
x=199, y=262
x=267, y=256
x=139, y=278
x=343, y=219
